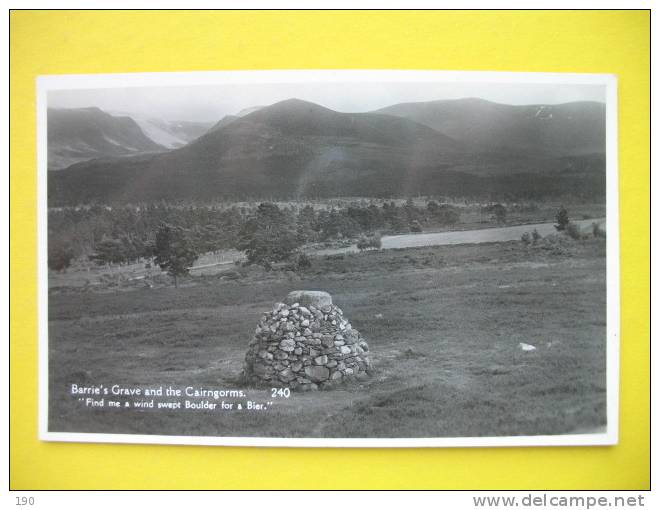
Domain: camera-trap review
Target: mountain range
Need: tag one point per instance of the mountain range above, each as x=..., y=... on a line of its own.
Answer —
x=295, y=149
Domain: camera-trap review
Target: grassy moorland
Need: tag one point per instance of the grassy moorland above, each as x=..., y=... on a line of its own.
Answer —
x=443, y=325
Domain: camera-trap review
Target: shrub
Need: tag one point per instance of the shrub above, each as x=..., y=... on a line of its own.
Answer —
x=574, y=231
x=562, y=219
x=535, y=236
x=372, y=242
x=556, y=244
x=302, y=261
x=59, y=257
x=597, y=231
x=526, y=238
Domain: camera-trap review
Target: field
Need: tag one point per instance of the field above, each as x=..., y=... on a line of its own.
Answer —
x=443, y=324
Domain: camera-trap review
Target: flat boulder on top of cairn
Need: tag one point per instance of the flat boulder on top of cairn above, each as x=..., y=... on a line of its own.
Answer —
x=306, y=343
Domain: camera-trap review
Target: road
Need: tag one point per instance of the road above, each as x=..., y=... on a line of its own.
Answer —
x=485, y=235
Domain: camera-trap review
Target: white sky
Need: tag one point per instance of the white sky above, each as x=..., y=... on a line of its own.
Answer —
x=212, y=102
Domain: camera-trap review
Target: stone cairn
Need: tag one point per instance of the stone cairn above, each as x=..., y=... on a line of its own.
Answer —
x=306, y=343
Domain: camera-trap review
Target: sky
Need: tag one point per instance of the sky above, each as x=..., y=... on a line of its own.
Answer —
x=209, y=103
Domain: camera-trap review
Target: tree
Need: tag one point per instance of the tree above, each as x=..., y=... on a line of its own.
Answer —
x=268, y=236
x=444, y=214
x=562, y=219
x=109, y=251
x=500, y=213
x=174, y=251
x=59, y=256
x=305, y=224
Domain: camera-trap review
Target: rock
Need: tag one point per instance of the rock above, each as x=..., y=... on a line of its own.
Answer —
x=331, y=364
x=305, y=323
x=344, y=349
x=321, y=360
x=526, y=347
x=336, y=375
x=317, y=373
x=305, y=311
x=288, y=345
x=284, y=313
x=307, y=298
x=286, y=375
x=327, y=341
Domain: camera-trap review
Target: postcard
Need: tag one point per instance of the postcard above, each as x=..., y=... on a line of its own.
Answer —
x=329, y=258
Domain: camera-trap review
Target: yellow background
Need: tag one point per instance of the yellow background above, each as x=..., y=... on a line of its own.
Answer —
x=49, y=42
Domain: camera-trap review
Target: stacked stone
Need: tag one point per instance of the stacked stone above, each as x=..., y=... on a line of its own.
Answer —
x=307, y=344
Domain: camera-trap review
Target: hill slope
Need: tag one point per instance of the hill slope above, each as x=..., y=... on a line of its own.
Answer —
x=570, y=129
x=81, y=134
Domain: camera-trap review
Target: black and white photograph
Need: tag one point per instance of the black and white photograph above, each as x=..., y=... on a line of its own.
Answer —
x=329, y=258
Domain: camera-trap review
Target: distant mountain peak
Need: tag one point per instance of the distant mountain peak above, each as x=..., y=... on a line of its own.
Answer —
x=247, y=111
x=293, y=106
x=80, y=134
